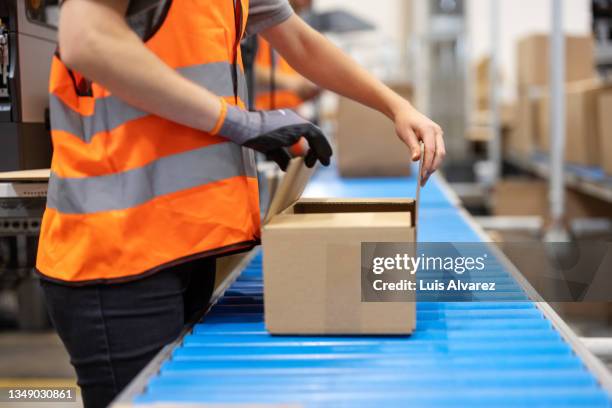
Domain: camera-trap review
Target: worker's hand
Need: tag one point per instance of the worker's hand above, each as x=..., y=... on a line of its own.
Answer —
x=413, y=127
x=272, y=132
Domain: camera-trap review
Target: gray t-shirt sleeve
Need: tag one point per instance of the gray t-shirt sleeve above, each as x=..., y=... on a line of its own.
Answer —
x=266, y=13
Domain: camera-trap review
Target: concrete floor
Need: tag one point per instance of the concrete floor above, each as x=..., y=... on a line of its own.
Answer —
x=33, y=355
x=35, y=359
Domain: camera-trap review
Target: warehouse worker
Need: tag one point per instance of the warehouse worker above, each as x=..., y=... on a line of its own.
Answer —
x=152, y=171
x=279, y=86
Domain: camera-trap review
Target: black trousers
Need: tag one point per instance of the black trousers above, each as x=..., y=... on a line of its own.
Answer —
x=112, y=331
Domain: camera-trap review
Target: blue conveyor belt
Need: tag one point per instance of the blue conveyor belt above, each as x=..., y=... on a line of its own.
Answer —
x=462, y=354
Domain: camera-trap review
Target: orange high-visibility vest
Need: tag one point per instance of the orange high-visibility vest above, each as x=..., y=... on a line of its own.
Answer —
x=131, y=192
x=277, y=98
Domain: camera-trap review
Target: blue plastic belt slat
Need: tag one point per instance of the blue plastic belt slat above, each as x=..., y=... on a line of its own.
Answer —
x=478, y=354
x=551, y=376
x=423, y=364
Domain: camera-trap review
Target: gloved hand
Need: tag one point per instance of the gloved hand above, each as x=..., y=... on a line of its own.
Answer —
x=270, y=132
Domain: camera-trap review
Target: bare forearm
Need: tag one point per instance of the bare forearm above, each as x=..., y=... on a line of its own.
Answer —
x=323, y=63
x=109, y=53
x=330, y=68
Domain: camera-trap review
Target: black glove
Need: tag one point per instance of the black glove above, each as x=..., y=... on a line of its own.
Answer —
x=270, y=132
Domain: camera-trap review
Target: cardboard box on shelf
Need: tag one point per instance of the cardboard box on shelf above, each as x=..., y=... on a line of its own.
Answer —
x=519, y=197
x=482, y=83
x=530, y=197
x=482, y=80
x=605, y=130
x=507, y=116
x=312, y=261
x=479, y=133
x=482, y=68
x=367, y=144
x=521, y=137
x=533, y=59
x=583, y=144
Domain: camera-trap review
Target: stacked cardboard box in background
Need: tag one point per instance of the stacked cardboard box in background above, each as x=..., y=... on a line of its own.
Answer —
x=479, y=128
x=533, y=73
x=533, y=56
x=520, y=139
x=367, y=144
x=527, y=197
x=605, y=130
x=482, y=83
x=583, y=144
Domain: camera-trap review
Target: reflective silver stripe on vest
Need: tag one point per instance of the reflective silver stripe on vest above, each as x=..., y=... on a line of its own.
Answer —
x=137, y=186
x=111, y=112
x=250, y=165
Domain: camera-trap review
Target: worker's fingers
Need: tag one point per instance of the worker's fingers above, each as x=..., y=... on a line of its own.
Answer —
x=411, y=140
x=283, y=137
x=311, y=158
x=428, y=137
x=440, y=149
x=319, y=146
x=280, y=156
x=440, y=152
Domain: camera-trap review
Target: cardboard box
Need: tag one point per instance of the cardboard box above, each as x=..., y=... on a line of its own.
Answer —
x=507, y=116
x=25, y=175
x=605, y=130
x=521, y=137
x=482, y=69
x=582, y=138
x=312, y=261
x=482, y=82
x=482, y=90
x=583, y=142
x=530, y=197
x=367, y=145
x=479, y=133
x=533, y=58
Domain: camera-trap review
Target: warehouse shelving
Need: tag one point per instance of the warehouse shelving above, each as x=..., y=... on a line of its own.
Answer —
x=462, y=353
x=588, y=180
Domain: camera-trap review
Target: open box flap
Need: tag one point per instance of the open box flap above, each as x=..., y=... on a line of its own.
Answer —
x=417, y=197
x=25, y=175
x=294, y=183
x=290, y=188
